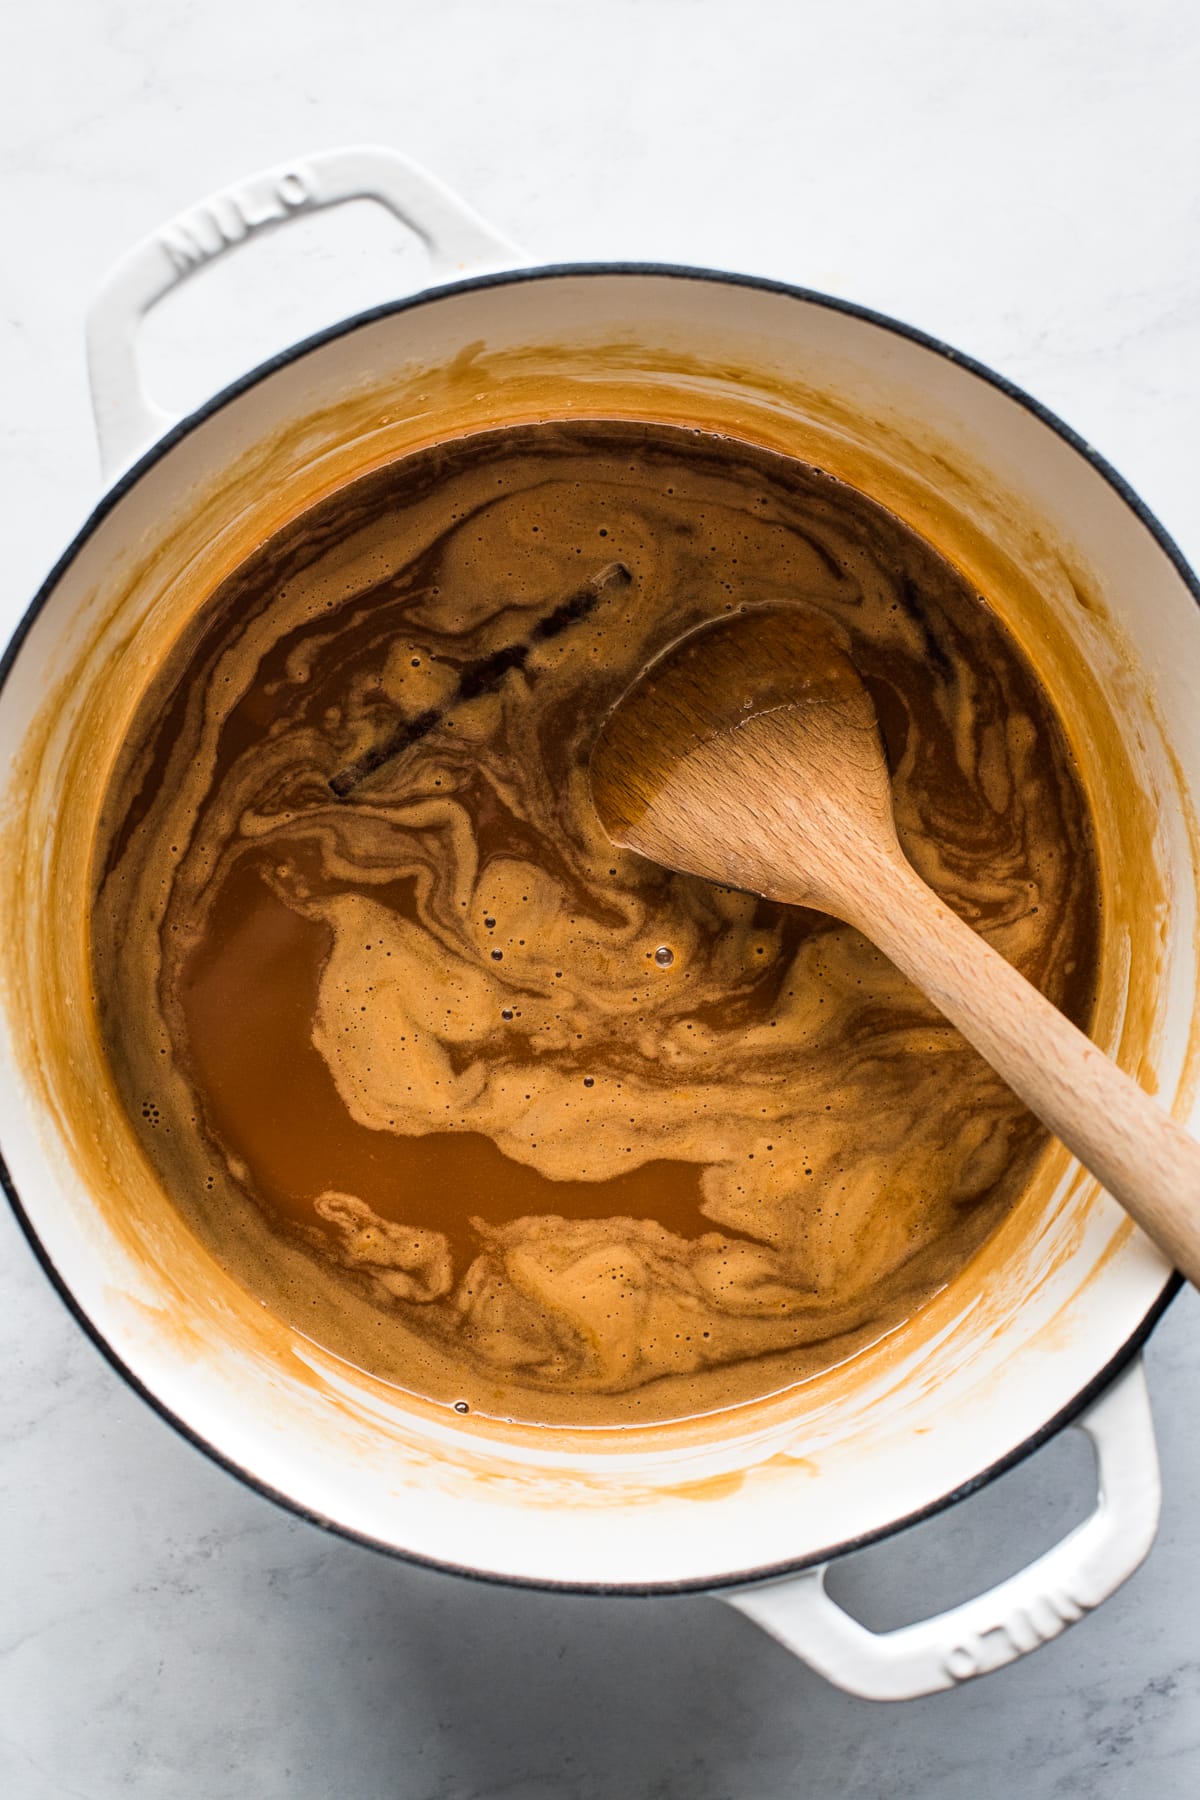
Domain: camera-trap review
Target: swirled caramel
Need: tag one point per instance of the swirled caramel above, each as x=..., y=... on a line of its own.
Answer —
x=514, y=1119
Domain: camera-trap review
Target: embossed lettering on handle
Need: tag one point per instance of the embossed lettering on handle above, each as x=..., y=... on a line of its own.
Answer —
x=1026, y=1628
x=216, y=225
x=1019, y=1615
x=457, y=240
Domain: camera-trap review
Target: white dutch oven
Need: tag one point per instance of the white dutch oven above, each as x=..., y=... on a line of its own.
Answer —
x=1042, y=1331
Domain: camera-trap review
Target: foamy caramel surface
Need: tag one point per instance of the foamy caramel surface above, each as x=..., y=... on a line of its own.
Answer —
x=510, y=1117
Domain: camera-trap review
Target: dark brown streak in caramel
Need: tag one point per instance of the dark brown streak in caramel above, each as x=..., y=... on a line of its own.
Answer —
x=477, y=678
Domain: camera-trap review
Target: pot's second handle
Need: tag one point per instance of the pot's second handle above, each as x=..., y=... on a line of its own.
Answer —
x=458, y=241
x=1020, y=1614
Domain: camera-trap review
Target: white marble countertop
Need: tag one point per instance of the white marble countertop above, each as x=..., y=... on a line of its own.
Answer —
x=1022, y=178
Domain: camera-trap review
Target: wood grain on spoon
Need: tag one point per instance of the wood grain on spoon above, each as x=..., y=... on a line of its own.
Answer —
x=749, y=753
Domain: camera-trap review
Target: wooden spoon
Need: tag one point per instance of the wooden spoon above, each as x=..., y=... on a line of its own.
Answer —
x=749, y=753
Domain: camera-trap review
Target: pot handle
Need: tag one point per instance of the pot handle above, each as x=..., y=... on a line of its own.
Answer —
x=458, y=241
x=1019, y=1615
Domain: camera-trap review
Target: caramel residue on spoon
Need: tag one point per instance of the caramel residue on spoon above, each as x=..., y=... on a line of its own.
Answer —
x=660, y=767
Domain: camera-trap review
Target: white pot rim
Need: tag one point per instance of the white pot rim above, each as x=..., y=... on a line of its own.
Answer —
x=295, y=353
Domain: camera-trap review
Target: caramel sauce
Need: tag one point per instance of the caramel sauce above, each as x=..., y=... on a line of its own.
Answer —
x=559, y=1135
x=271, y=1100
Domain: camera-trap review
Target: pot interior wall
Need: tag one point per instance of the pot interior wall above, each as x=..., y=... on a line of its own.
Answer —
x=1114, y=630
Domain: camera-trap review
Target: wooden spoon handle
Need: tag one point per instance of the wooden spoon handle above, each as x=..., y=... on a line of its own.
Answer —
x=1144, y=1159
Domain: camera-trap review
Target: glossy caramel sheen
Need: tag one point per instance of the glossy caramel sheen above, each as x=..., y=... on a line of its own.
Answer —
x=508, y=1116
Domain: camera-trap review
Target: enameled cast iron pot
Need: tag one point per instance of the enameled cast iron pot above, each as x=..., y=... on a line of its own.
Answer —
x=1044, y=1328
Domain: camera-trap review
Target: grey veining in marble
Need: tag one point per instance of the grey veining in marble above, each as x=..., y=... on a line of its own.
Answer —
x=1022, y=178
